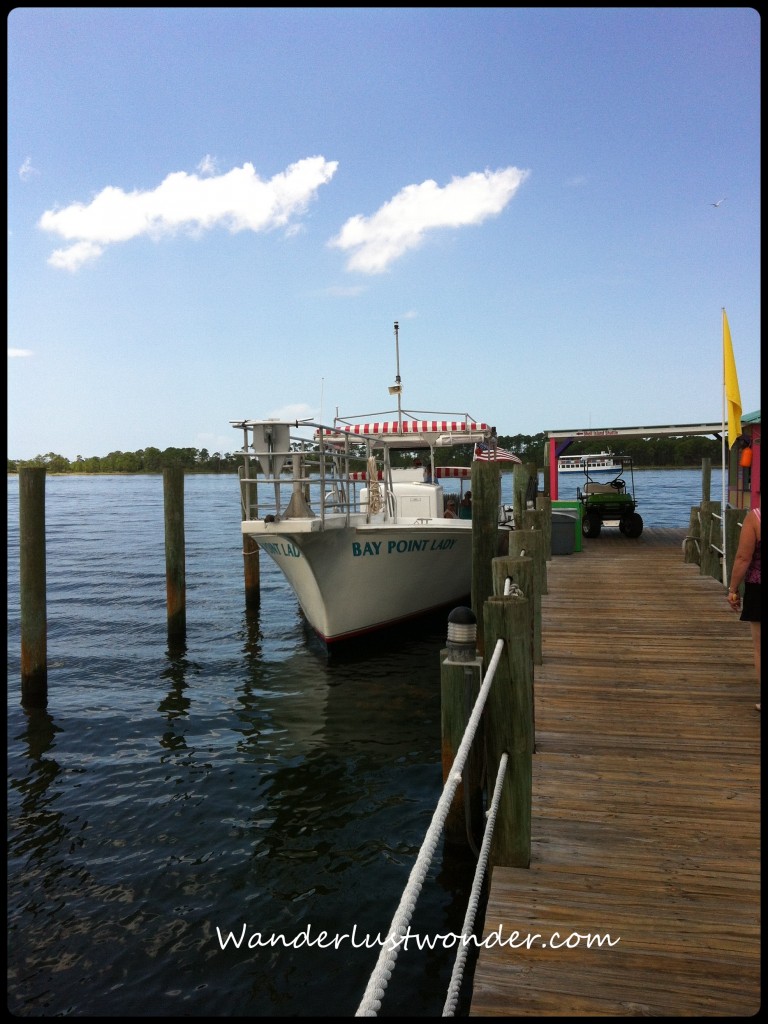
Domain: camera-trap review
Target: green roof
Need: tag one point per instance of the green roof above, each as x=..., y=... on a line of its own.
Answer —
x=751, y=417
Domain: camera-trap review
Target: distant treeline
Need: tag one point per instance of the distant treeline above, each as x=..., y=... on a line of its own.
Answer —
x=647, y=453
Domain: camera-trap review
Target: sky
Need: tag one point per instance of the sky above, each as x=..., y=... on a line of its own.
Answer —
x=217, y=214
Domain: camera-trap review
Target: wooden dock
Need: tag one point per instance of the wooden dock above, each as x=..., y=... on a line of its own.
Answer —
x=646, y=799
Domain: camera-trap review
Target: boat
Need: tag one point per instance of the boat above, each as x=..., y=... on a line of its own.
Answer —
x=364, y=544
x=601, y=462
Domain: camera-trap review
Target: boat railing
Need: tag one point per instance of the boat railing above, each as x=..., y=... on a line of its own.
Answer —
x=287, y=475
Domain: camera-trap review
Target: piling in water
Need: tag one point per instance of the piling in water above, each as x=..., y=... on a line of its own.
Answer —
x=461, y=670
x=250, y=547
x=175, y=569
x=34, y=621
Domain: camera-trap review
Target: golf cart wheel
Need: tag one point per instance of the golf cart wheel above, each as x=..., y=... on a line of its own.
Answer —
x=632, y=526
x=590, y=526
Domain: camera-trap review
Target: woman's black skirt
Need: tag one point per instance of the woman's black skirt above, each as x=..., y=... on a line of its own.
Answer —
x=750, y=603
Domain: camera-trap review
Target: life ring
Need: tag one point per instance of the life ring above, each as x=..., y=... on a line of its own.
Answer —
x=746, y=458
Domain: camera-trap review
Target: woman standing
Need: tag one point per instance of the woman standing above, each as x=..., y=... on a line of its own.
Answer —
x=746, y=570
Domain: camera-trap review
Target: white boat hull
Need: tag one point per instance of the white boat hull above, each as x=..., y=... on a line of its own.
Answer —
x=350, y=580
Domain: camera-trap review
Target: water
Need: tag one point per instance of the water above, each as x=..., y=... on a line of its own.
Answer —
x=245, y=778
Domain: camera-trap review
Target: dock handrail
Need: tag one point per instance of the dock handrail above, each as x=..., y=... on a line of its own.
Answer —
x=468, y=926
x=398, y=929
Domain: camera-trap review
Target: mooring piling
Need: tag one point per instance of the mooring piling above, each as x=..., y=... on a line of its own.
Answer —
x=34, y=619
x=461, y=671
x=175, y=568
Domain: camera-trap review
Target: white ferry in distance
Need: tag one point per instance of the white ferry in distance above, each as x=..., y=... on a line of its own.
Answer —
x=602, y=462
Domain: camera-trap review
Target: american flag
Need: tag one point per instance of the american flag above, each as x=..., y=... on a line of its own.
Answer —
x=493, y=453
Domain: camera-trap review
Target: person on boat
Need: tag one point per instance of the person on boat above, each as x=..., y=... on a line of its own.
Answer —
x=465, y=508
x=450, y=509
x=746, y=570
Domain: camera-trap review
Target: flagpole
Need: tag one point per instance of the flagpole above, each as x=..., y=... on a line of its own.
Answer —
x=722, y=466
x=731, y=399
x=723, y=487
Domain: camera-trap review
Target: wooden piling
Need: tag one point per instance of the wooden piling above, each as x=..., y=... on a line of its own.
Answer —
x=531, y=542
x=533, y=519
x=486, y=498
x=706, y=478
x=521, y=479
x=459, y=686
x=251, y=572
x=544, y=505
x=508, y=721
x=692, y=542
x=175, y=569
x=32, y=580
x=521, y=571
x=250, y=547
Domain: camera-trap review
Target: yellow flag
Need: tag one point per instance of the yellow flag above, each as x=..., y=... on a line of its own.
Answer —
x=731, y=382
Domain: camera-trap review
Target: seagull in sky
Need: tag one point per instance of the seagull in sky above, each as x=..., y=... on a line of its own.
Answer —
x=718, y=201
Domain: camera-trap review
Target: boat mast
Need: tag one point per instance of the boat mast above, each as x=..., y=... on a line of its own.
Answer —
x=398, y=388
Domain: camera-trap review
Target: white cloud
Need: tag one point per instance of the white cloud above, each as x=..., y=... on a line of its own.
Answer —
x=75, y=256
x=403, y=223
x=238, y=200
x=19, y=353
x=27, y=171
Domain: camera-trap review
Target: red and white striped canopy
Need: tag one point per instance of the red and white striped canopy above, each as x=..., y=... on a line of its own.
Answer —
x=389, y=428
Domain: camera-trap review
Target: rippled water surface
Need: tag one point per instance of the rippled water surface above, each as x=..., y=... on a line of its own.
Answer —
x=245, y=778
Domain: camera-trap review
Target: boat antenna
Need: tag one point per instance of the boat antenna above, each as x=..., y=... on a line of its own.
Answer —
x=398, y=386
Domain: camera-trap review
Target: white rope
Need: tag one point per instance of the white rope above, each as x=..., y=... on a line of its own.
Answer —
x=511, y=589
x=375, y=500
x=468, y=927
x=382, y=972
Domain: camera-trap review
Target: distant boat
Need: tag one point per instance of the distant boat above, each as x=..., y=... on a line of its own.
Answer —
x=602, y=462
x=364, y=544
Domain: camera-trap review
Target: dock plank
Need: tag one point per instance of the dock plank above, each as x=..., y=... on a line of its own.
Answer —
x=646, y=800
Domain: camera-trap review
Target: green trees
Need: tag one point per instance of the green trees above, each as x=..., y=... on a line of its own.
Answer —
x=647, y=452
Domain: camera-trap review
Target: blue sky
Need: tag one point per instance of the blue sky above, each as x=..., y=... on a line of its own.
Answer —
x=218, y=213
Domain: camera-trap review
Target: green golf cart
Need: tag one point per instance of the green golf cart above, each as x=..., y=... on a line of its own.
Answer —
x=609, y=503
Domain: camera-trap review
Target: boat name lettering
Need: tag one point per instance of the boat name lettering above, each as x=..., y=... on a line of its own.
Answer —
x=282, y=549
x=369, y=548
x=399, y=547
